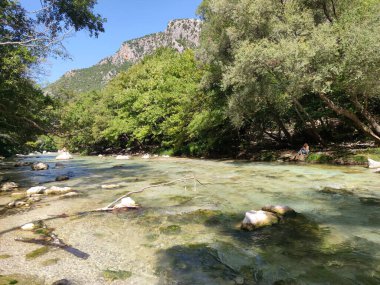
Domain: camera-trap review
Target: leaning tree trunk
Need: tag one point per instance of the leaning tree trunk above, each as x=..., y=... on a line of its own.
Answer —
x=351, y=116
x=367, y=115
x=313, y=130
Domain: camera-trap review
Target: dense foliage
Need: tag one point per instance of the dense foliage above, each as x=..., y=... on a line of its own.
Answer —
x=26, y=37
x=155, y=105
x=295, y=65
x=268, y=73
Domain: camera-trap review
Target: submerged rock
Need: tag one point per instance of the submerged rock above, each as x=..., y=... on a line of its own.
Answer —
x=279, y=210
x=110, y=186
x=23, y=163
x=36, y=190
x=40, y=166
x=9, y=186
x=54, y=190
x=336, y=190
x=64, y=156
x=258, y=219
x=62, y=178
x=70, y=195
x=126, y=203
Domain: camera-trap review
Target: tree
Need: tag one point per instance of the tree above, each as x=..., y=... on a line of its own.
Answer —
x=266, y=56
x=25, y=38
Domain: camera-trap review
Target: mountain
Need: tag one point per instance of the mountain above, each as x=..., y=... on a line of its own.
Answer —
x=180, y=34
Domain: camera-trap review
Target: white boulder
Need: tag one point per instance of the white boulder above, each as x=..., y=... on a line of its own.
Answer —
x=36, y=190
x=8, y=186
x=28, y=227
x=123, y=157
x=126, y=203
x=146, y=156
x=40, y=166
x=64, y=156
x=258, y=219
x=57, y=190
x=373, y=163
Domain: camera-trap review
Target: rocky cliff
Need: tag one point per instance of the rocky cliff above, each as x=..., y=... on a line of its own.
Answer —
x=180, y=34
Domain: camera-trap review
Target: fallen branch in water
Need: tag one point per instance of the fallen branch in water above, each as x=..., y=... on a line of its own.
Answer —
x=110, y=207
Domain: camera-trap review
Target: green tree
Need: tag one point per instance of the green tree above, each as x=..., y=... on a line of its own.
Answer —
x=25, y=38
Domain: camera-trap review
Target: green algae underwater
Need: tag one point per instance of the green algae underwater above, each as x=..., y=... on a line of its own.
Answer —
x=189, y=233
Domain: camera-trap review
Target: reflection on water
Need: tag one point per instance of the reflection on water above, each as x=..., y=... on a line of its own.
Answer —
x=190, y=235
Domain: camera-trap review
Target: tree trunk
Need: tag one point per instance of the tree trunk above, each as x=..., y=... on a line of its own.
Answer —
x=313, y=129
x=367, y=115
x=351, y=116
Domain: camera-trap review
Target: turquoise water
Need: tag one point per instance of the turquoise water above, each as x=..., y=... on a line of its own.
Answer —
x=188, y=233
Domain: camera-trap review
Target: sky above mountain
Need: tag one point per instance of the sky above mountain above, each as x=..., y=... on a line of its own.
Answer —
x=126, y=19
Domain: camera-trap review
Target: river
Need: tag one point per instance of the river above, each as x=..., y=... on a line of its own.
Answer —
x=188, y=233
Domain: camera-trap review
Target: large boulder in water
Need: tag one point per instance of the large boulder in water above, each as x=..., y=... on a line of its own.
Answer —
x=258, y=219
x=64, y=156
x=284, y=211
x=40, y=166
x=126, y=203
x=35, y=190
x=373, y=163
x=8, y=186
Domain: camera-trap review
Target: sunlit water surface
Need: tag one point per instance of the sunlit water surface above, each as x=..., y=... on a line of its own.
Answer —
x=187, y=233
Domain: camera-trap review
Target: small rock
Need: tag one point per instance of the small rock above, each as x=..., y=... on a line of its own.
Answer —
x=40, y=166
x=57, y=190
x=257, y=219
x=70, y=195
x=126, y=203
x=239, y=280
x=146, y=156
x=62, y=178
x=123, y=157
x=59, y=165
x=28, y=227
x=2, y=157
x=280, y=210
x=62, y=282
x=110, y=186
x=21, y=204
x=100, y=155
x=36, y=190
x=64, y=156
x=12, y=204
x=166, y=156
x=33, y=199
x=8, y=186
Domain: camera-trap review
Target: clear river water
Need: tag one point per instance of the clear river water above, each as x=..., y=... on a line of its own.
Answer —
x=188, y=233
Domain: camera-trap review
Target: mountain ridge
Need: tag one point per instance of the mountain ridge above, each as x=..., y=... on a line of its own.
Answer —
x=180, y=34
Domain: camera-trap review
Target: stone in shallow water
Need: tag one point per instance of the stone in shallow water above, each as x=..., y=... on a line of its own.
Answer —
x=280, y=210
x=28, y=227
x=62, y=282
x=110, y=186
x=57, y=190
x=116, y=274
x=8, y=186
x=36, y=190
x=40, y=166
x=336, y=190
x=126, y=203
x=64, y=156
x=258, y=219
x=62, y=178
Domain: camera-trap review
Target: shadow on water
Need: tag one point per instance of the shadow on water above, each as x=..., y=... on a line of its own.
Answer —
x=292, y=252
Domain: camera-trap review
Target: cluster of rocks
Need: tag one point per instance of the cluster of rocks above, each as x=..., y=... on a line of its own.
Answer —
x=54, y=190
x=8, y=186
x=267, y=216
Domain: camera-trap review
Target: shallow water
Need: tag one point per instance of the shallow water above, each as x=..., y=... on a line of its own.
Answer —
x=187, y=233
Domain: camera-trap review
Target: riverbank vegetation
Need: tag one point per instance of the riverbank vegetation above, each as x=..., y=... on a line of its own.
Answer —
x=267, y=75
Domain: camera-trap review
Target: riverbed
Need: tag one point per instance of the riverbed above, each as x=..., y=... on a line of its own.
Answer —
x=189, y=232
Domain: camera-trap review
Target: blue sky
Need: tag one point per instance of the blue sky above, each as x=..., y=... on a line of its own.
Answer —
x=126, y=19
